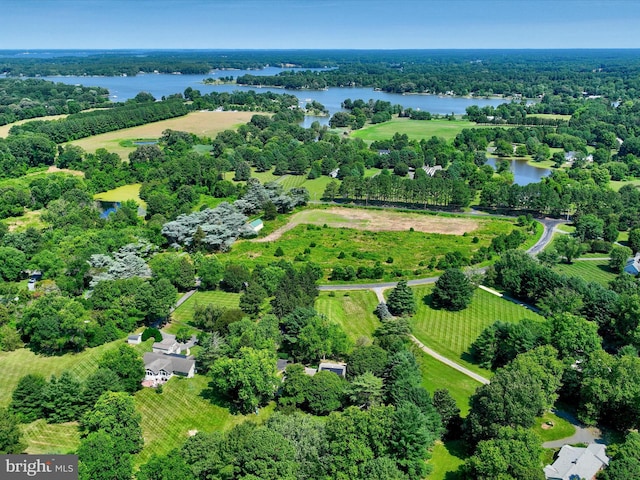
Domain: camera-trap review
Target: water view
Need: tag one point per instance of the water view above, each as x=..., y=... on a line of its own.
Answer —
x=523, y=173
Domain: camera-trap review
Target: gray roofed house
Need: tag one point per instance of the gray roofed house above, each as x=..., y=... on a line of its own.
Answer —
x=633, y=265
x=170, y=345
x=576, y=462
x=337, y=368
x=160, y=367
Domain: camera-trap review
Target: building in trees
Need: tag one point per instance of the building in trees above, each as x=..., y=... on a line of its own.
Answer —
x=577, y=462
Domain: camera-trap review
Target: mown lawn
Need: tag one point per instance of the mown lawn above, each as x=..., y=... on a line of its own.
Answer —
x=21, y=362
x=556, y=428
x=414, y=129
x=184, y=313
x=183, y=406
x=446, y=459
x=452, y=333
x=353, y=310
x=588, y=270
x=42, y=437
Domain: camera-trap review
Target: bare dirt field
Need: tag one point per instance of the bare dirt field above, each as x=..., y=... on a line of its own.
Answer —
x=202, y=123
x=377, y=221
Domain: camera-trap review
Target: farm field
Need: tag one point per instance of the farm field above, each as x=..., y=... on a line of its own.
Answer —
x=122, y=194
x=200, y=123
x=184, y=313
x=452, y=333
x=353, y=310
x=369, y=236
x=588, y=270
x=414, y=129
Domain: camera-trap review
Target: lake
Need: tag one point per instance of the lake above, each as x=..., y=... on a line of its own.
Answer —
x=523, y=173
x=159, y=85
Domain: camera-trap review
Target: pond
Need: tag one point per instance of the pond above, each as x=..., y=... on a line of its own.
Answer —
x=107, y=208
x=523, y=173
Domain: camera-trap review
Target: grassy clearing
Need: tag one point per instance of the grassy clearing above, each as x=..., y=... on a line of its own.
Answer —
x=184, y=313
x=446, y=459
x=200, y=123
x=42, y=437
x=183, y=406
x=21, y=362
x=414, y=129
x=4, y=129
x=395, y=250
x=436, y=375
x=452, y=333
x=352, y=310
x=556, y=428
x=617, y=185
x=588, y=270
x=29, y=219
x=122, y=194
x=551, y=116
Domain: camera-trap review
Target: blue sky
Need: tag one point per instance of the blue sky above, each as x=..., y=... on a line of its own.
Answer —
x=318, y=24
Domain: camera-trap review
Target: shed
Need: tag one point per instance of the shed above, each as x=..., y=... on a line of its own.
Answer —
x=256, y=225
x=134, y=339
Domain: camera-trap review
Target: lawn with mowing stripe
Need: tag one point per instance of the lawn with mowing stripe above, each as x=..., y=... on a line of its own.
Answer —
x=452, y=333
x=182, y=406
x=588, y=270
x=446, y=459
x=184, y=313
x=352, y=310
x=414, y=129
x=21, y=362
x=42, y=437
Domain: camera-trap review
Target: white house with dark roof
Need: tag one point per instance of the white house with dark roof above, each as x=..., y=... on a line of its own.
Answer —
x=160, y=367
x=577, y=463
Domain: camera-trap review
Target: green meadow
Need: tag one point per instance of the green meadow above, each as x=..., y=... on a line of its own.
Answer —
x=122, y=194
x=414, y=129
x=588, y=270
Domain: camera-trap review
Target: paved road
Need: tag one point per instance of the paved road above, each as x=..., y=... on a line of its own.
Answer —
x=549, y=225
x=583, y=434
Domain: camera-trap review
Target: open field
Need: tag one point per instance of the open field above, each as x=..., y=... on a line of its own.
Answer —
x=617, y=185
x=21, y=362
x=446, y=459
x=4, y=129
x=122, y=194
x=414, y=129
x=353, y=310
x=552, y=116
x=588, y=270
x=200, y=123
x=452, y=333
x=184, y=313
x=376, y=221
x=29, y=219
x=184, y=405
x=51, y=438
x=395, y=250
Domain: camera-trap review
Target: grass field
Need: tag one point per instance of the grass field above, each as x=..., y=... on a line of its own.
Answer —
x=184, y=313
x=353, y=310
x=363, y=247
x=617, y=185
x=183, y=406
x=552, y=116
x=560, y=428
x=200, y=123
x=588, y=270
x=452, y=333
x=42, y=437
x=29, y=219
x=414, y=129
x=4, y=129
x=122, y=194
x=446, y=459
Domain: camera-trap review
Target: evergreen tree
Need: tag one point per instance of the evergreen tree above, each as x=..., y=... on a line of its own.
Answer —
x=26, y=401
x=453, y=290
x=10, y=434
x=401, y=300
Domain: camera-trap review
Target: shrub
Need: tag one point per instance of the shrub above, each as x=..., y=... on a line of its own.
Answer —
x=152, y=332
x=279, y=252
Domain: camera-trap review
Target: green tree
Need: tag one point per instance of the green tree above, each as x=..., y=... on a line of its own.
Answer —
x=127, y=364
x=295, y=387
x=210, y=273
x=236, y=277
x=98, y=458
x=163, y=298
x=252, y=299
x=166, y=467
x=326, y=393
x=267, y=455
x=102, y=380
x=249, y=381
x=26, y=400
x=449, y=412
x=11, y=441
x=401, y=300
x=365, y=391
x=370, y=358
x=453, y=290
x=115, y=414
x=625, y=461
x=270, y=211
x=634, y=240
x=12, y=262
x=60, y=399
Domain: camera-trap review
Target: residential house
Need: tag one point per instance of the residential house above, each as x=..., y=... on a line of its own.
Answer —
x=160, y=367
x=633, y=265
x=337, y=368
x=576, y=462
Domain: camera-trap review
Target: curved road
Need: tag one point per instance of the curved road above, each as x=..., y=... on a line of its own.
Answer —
x=582, y=435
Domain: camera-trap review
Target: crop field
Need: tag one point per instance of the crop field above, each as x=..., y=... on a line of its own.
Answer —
x=414, y=129
x=122, y=194
x=452, y=333
x=184, y=313
x=184, y=407
x=353, y=310
x=588, y=270
x=200, y=123
x=363, y=237
x=21, y=362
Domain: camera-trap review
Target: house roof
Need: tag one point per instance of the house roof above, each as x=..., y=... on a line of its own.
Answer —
x=576, y=462
x=337, y=368
x=633, y=265
x=169, y=363
x=167, y=342
x=255, y=223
